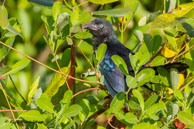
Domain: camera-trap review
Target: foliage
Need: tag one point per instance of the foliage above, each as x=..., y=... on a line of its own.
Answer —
x=61, y=94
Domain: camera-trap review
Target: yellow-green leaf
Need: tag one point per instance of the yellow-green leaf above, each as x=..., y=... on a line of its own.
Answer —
x=33, y=89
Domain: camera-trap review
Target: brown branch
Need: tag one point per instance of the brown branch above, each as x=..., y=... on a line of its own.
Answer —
x=152, y=58
x=109, y=120
x=85, y=91
x=9, y=105
x=89, y=63
x=13, y=110
x=181, y=54
x=97, y=82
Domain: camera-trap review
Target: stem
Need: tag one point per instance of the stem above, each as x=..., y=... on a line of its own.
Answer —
x=17, y=89
x=97, y=82
x=9, y=106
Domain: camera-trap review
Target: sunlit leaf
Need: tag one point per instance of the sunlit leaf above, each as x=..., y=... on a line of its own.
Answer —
x=4, y=23
x=131, y=81
x=144, y=76
x=117, y=102
x=33, y=116
x=120, y=63
x=57, y=81
x=150, y=101
x=33, y=89
x=139, y=96
x=101, y=52
x=83, y=35
x=114, y=12
x=155, y=108
x=176, y=17
x=144, y=125
x=131, y=118
x=73, y=110
x=18, y=66
x=174, y=78
x=44, y=103
x=185, y=117
x=102, y=1
x=178, y=94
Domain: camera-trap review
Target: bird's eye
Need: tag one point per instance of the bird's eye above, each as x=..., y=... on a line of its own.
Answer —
x=101, y=26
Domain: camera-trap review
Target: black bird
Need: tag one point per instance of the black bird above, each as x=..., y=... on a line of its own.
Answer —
x=114, y=79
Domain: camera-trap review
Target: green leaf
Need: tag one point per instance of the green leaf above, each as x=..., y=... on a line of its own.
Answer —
x=176, y=17
x=150, y=101
x=69, y=40
x=33, y=89
x=5, y=123
x=185, y=117
x=74, y=17
x=178, y=94
x=172, y=41
x=44, y=103
x=83, y=35
x=149, y=42
x=102, y=1
x=159, y=60
x=73, y=110
x=101, y=127
x=41, y=126
x=43, y=2
x=18, y=66
x=33, y=116
x=130, y=118
x=120, y=63
x=148, y=18
x=119, y=12
x=175, y=109
x=131, y=81
x=157, y=41
x=117, y=102
x=144, y=125
x=139, y=96
x=174, y=78
x=144, y=76
x=4, y=23
x=57, y=9
x=4, y=69
x=101, y=52
x=11, y=29
x=57, y=81
x=133, y=103
x=154, y=109
x=139, y=35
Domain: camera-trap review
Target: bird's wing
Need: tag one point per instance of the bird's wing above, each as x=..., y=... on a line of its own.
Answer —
x=114, y=79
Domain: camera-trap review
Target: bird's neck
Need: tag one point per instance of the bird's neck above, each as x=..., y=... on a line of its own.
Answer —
x=97, y=40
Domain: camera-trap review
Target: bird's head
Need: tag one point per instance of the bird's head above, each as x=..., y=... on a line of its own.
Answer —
x=100, y=28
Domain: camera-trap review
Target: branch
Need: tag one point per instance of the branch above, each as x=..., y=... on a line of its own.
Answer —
x=97, y=82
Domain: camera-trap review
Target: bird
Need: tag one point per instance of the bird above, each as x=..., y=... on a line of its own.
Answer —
x=114, y=80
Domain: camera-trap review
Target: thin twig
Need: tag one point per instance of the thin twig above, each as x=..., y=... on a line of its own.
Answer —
x=85, y=91
x=17, y=89
x=9, y=106
x=182, y=53
x=89, y=63
x=109, y=120
x=13, y=110
x=97, y=82
x=187, y=84
x=177, y=54
x=60, y=69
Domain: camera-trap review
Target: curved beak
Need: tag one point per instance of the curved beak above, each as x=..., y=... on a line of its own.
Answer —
x=90, y=26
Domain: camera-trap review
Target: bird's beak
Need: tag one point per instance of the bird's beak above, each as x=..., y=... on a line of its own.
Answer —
x=90, y=26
